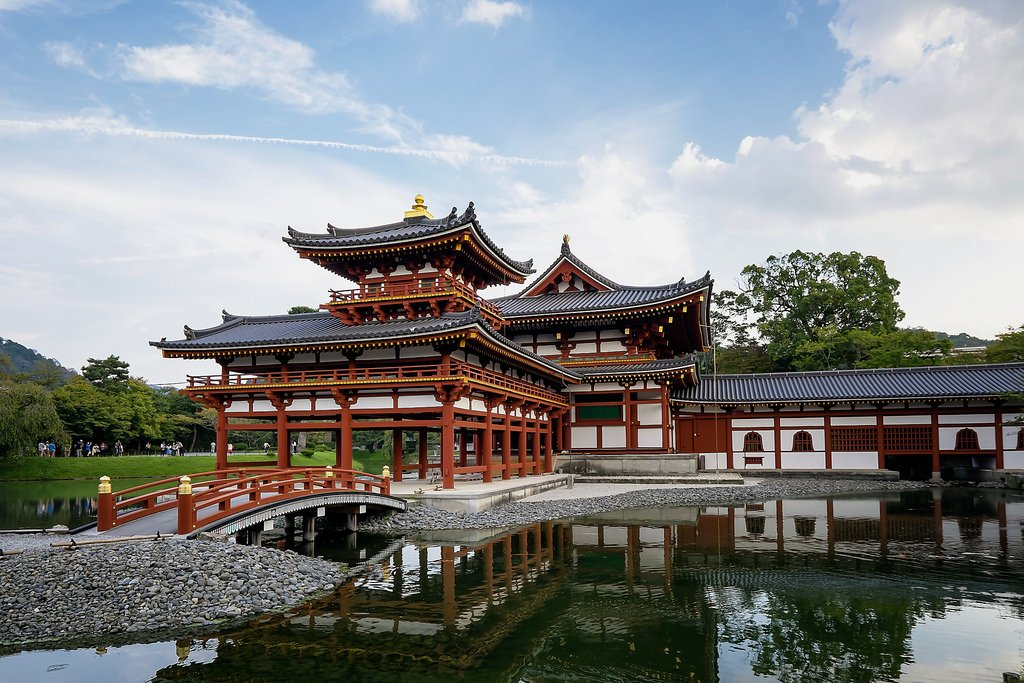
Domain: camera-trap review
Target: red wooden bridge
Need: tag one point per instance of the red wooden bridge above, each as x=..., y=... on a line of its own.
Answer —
x=235, y=499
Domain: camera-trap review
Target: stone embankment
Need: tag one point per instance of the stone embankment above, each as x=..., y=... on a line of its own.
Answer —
x=423, y=518
x=63, y=596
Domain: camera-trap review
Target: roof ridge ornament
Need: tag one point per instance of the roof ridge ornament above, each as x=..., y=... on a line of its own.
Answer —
x=468, y=215
x=418, y=209
x=565, y=244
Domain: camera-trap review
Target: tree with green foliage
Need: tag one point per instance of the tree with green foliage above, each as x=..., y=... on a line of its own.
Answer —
x=295, y=310
x=27, y=416
x=1008, y=347
x=86, y=411
x=48, y=374
x=108, y=374
x=805, y=306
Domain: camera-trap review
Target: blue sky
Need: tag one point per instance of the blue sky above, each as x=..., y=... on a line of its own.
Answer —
x=153, y=153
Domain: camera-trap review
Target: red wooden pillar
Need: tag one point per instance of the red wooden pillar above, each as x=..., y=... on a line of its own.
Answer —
x=487, y=443
x=343, y=456
x=422, y=454
x=522, y=443
x=506, y=446
x=536, y=443
x=665, y=418
x=222, y=437
x=935, y=443
x=778, y=437
x=627, y=404
x=881, y=439
x=283, y=441
x=999, y=439
x=448, y=444
x=828, y=438
x=449, y=607
x=397, y=455
x=548, y=466
x=463, y=446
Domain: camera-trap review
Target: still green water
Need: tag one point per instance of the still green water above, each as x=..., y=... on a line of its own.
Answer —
x=918, y=586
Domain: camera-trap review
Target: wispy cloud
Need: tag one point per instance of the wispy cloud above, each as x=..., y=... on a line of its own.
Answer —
x=451, y=149
x=400, y=10
x=491, y=13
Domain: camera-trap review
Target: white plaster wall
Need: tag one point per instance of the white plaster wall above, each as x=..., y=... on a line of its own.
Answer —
x=547, y=349
x=584, y=437
x=613, y=437
x=767, y=440
x=459, y=355
x=907, y=419
x=599, y=387
x=806, y=508
x=986, y=437
x=300, y=404
x=238, y=407
x=611, y=346
x=333, y=357
x=839, y=420
x=817, y=438
x=802, y=461
x=428, y=267
x=648, y=438
x=524, y=339
x=266, y=360
x=855, y=461
x=714, y=461
x=1014, y=460
x=649, y=414
x=1010, y=438
x=967, y=419
x=585, y=347
x=417, y=402
x=748, y=423
x=258, y=406
x=303, y=358
x=366, y=402
x=584, y=335
x=401, y=270
x=464, y=403
x=546, y=339
x=802, y=422
x=241, y=360
x=766, y=461
x=378, y=354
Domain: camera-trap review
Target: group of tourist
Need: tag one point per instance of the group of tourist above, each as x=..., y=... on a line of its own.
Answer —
x=168, y=448
x=79, y=449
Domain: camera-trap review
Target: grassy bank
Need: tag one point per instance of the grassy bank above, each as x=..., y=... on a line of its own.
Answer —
x=144, y=466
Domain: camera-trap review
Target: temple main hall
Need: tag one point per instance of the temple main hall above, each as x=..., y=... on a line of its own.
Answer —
x=575, y=365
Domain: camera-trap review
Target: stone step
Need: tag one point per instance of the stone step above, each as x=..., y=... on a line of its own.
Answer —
x=725, y=478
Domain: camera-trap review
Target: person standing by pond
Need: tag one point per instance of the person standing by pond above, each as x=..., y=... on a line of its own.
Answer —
x=52, y=448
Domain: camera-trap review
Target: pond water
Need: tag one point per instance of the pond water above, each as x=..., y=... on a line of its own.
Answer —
x=43, y=504
x=917, y=586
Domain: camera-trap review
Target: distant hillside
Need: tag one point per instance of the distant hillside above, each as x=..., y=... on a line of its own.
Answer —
x=24, y=359
x=962, y=339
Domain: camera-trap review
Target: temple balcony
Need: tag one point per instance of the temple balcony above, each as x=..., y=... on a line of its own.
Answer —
x=419, y=298
x=408, y=375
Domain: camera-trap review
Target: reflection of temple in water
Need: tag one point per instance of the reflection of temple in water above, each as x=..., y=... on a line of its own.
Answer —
x=650, y=595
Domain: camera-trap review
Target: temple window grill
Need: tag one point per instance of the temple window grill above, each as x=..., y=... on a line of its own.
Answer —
x=752, y=443
x=967, y=440
x=802, y=442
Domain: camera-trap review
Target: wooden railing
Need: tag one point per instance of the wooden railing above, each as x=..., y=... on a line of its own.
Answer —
x=409, y=289
x=411, y=373
x=224, y=493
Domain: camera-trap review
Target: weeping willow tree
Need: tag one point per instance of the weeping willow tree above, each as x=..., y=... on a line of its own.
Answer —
x=27, y=417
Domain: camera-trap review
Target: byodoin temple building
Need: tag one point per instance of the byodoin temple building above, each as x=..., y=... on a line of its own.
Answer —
x=575, y=366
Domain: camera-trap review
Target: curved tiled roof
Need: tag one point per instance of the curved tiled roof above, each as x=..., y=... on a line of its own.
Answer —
x=513, y=307
x=311, y=328
x=840, y=386
x=408, y=230
x=654, y=367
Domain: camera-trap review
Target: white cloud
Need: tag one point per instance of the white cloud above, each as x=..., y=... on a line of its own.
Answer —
x=914, y=157
x=68, y=56
x=19, y=5
x=233, y=50
x=400, y=10
x=491, y=12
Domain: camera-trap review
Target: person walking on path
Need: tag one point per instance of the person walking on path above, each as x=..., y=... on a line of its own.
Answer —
x=52, y=448
x=41, y=448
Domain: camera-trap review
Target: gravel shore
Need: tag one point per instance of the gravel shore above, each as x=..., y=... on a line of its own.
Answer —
x=63, y=596
x=583, y=502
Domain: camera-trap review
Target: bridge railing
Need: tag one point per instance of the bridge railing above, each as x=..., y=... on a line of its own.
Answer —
x=224, y=493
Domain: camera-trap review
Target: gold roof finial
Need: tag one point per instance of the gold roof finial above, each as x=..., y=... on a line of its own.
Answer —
x=418, y=209
x=565, y=238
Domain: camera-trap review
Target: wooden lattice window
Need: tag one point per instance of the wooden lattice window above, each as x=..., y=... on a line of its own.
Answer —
x=854, y=439
x=802, y=442
x=1020, y=439
x=967, y=440
x=752, y=443
x=907, y=438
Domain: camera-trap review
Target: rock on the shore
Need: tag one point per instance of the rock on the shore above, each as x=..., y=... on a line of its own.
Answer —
x=424, y=518
x=63, y=595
